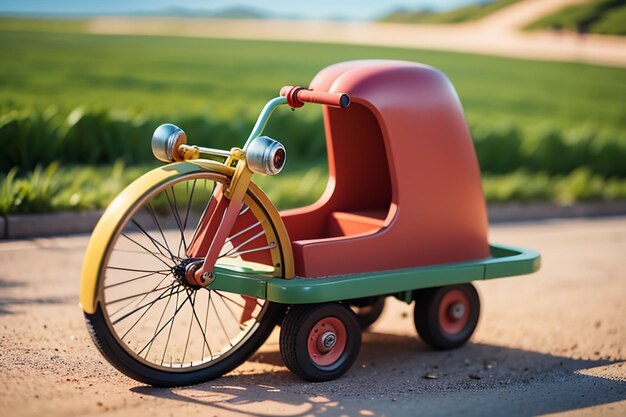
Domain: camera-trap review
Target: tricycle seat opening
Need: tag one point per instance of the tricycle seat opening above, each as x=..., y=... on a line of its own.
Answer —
x=358, y=195
x=404, y=185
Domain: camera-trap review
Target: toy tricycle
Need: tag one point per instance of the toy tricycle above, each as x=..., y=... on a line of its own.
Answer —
x=191, y=266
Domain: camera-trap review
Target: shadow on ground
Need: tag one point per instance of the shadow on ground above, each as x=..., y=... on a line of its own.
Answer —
x=7, y=303
x=478, y=379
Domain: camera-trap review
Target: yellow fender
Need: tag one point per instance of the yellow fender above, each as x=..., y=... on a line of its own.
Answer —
x=126, y=200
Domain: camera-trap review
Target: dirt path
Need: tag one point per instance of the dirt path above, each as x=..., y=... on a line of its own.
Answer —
x=523, y=13
x=498, y=34
x=553, y=342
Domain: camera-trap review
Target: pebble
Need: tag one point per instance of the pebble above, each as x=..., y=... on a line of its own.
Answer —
x=474, y=376
x=431, y=375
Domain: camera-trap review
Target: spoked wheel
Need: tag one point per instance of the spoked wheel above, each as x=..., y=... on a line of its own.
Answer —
x=320, y=342
x=446, y=317
x=150, y=322
x=367, y=310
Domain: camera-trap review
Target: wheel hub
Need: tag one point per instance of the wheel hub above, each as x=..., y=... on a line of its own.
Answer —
x=453, y=312
x=182, y=270
x=328, y=340
x=457, y=310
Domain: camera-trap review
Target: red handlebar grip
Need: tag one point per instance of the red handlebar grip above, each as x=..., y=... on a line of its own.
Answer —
x=297, y=96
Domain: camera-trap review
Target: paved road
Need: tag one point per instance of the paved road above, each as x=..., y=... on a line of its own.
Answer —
x=553, y=342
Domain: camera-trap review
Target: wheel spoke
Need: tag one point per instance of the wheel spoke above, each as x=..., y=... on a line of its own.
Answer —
x=169, y=298
x=195, y=316
x=206, y=318
x=147, y=251
x=193, y=188
x=148, y=304
x=151, y=304
x=176, y=214
x=241, y=232
x=138, y=302
x=241, y=245
x=158, y=245
x=159, y=271
x=106, y=287
x=143, y=297
x=169, y=333
x=221, y=324
x=243, y=252
x=232, y=313
x=171, y=320
x=190, y=298
x=128, y=297
x=150, y=209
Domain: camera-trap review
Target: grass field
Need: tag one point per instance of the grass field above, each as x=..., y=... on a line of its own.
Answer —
x=230, y=78
x=63, y=93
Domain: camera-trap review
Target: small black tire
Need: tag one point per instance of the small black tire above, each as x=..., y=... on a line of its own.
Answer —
x=446, y=317
x=309, y=329
x=367, y=310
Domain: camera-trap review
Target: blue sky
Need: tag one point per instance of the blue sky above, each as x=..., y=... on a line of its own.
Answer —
x=358, y=9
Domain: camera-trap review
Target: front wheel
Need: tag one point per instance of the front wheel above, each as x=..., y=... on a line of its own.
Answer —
x=446, y=317
x=149, y=321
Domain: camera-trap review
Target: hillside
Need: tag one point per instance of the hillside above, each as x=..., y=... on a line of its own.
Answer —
x=607, y=17
x=462, y=14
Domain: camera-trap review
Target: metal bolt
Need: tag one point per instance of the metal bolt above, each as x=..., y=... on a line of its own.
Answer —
x=207, y=278
x=328, y=340
x=457, y=310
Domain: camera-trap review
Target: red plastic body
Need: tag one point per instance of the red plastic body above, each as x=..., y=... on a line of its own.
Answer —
x=404, y=185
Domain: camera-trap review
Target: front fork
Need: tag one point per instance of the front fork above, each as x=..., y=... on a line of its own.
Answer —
x=217, y=221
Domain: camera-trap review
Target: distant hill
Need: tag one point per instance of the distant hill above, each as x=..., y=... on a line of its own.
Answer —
x=226, y=13
x=462, y=14
x=607, y=17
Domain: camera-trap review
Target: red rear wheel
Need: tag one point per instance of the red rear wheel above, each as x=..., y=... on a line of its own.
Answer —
x=454, y=311
x=327, y=341
x=446, y=317
x=320, y=342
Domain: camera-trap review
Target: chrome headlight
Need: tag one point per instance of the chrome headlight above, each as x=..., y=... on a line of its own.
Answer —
x=165, y=142
x=266, y=156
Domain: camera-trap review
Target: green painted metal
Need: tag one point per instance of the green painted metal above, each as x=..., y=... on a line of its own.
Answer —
x=504, y=261
x=264, y=116
x=239, y=283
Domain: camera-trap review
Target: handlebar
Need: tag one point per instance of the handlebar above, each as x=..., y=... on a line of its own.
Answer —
x=297, y=96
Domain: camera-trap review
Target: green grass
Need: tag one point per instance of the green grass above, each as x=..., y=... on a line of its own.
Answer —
x=468, y=13
x=77, y=188
x=606, y=17
x=232, y=79
x=83, y=98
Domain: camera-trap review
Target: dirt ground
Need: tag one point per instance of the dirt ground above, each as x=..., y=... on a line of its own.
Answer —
x=549, y=343
x=498, y=34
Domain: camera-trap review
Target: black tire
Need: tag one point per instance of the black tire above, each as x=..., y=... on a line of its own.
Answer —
x=367, y=310
x=454, y=332
x=297, y=327
x=122, y=360
x=152, y=324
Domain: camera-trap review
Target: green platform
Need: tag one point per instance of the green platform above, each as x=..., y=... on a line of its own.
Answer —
x=504, y=261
